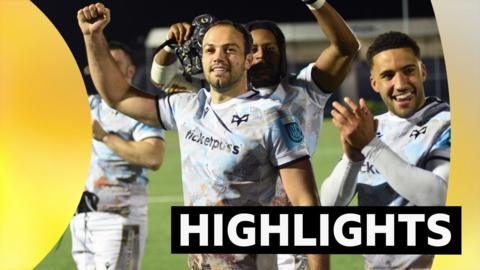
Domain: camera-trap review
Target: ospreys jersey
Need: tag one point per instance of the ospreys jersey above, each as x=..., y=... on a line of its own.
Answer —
x=231, y=153
x=418, y=139
x=305, y=100
x=104, y=162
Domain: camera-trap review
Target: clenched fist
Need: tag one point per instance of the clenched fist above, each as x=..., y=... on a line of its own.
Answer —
x=93, y=18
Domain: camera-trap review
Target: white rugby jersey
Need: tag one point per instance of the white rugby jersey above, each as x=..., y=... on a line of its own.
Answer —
x=417, y=139
x=305, y=100
x=104, y=162
x=231, y=151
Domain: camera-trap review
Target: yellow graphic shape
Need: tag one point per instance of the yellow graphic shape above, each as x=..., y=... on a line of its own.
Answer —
x=45, y=135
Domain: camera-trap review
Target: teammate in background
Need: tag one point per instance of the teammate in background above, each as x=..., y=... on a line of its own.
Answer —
x=111, y=220
x=304, y=94
x=224, y=132
x=400, y=158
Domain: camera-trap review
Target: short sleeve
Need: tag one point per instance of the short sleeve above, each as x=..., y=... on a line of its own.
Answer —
x=143, y=131
x=315, y=93
x=284, y=139
x=171, y=107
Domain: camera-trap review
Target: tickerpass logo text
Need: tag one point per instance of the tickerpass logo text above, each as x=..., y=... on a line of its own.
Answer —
x=211, y=142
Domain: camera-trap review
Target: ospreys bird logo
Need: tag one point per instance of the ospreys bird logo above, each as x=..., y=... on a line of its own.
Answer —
x=237, y=119
x=417, y=132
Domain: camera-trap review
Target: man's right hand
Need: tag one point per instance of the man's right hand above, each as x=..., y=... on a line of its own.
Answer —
x=93, y=18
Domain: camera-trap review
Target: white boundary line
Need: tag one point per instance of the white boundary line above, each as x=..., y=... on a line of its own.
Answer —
x=165, y=199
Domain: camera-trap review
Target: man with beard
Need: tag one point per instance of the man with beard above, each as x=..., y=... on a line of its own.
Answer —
x=234, y=143
x=400, y=158
x=304, y=94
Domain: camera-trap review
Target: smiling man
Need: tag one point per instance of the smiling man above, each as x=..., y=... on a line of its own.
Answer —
x=400, y=158
x=234, y=143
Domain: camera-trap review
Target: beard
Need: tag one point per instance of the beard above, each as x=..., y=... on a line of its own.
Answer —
x=222, y=86
x=263, y=74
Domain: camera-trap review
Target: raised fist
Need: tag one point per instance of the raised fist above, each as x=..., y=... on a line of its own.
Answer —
x=93, y=18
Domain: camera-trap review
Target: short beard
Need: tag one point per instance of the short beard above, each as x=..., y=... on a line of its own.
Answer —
x=263, y=82
x=221, y=88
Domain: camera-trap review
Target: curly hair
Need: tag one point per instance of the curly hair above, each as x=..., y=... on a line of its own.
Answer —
x=391, y=40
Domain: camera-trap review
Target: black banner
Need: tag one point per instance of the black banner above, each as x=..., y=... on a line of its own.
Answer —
x=325, y=230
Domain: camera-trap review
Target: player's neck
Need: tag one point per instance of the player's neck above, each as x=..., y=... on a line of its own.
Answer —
x=224, y=96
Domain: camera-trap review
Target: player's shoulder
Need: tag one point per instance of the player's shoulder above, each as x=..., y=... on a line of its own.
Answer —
x=434, y=110
x=271, y=110
x=185, y=97
x=301, y=77
x=263, y=103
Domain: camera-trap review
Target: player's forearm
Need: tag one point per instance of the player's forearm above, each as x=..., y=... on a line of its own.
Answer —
x=419, y=186
x=299, y=184
x=318, y=261
x=138, y=153
x=336, y=30
x=333, y=64
x=106, y=76
x=163, y=70
x=165, y=58
x=340, y=187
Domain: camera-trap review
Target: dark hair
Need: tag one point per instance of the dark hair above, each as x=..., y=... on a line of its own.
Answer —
x=117, y=45
x=277, y=33
x=248, y=41
x=391, y=40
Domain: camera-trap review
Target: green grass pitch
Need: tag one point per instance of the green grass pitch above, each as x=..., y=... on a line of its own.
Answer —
x=165, y=190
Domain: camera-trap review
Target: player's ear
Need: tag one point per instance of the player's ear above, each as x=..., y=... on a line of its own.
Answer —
x=131, y=71
x=423, y=71
x=373, y=83
x=248, y=61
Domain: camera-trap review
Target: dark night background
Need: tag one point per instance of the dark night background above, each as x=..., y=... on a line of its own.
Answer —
x=131, y=20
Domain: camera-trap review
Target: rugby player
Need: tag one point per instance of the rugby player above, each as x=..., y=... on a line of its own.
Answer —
x=304, y=94
x=113, y=209
x=234, y=143
x=399, y=158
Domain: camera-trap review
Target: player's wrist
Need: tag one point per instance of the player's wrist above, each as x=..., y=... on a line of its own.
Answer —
x=168, y=48
x=314, y=4
x=106, y=137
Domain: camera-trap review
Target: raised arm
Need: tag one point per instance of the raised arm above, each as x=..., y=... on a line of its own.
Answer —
x=299, y=184
x=106, y=76
x=332, y=66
